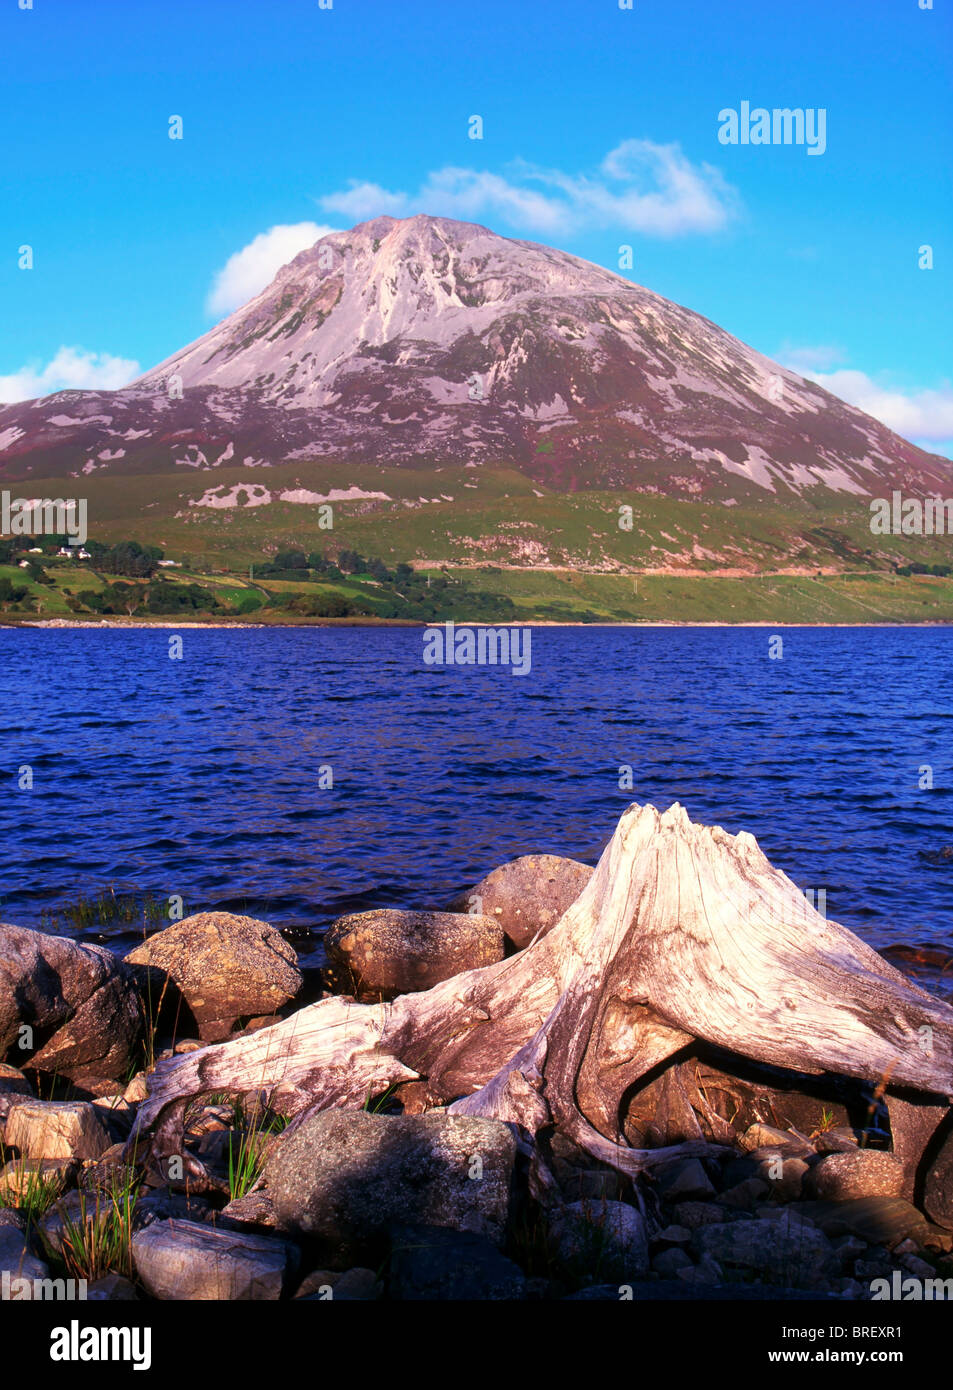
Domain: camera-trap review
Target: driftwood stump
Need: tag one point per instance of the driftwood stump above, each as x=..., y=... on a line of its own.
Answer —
x=684, y=932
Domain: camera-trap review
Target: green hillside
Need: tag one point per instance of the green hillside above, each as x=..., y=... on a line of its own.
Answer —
x=474, y=544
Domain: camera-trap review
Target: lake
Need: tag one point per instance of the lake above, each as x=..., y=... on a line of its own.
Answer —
x=202, y=777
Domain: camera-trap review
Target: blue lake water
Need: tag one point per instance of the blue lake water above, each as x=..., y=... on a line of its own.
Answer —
x=201, y=777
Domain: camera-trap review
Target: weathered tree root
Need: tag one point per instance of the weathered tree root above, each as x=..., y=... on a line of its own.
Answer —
x=684, y=932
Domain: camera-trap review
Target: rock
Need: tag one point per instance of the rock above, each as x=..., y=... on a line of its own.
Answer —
x=328, y=1285
x=839, y=1177
x=13, y=1082
x=345, y=1176
x=357, y=1286
x=318, y=1286
x=112, y=1288
x=595, y=1293
x=138, y=1088
x=841, y=1139
x=186, y=1260
x=683, y=1180
x=74, y=1209
x=937, y=856
x=876, y=1220
x=673, y=1235
x=57, y=1129
x=783, y=1175
x=528, y=895
x=761, y=1136
x=18, y=1260
x=785, y=1249
x=75, y=1007
x=850, y=1288
x=225, y=967
x=707, y=1271
x=695, y=1214
x=600, y=1240
x=912, y=1126
x=849, y=1248
x=538, y=1287
x=163, y=1205
x=744, y=1195
x=17, y=1178
x=254, y=1209
x=391, y=952
x=429, y=1262
x=793, y=1215
x=938, y=1185
x=669, y=1262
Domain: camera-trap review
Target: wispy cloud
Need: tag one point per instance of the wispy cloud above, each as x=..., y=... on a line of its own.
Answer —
x=640, y=186
x=249, y=270
x=811, y=359
x=71, y=369
x=924, y=416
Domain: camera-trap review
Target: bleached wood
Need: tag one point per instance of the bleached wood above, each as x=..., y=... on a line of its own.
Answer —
x=684, y=932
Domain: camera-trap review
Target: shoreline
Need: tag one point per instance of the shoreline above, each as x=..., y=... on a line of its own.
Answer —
x=162, y=623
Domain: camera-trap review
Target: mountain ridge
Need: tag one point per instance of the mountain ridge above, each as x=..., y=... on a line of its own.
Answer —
x=427, y=340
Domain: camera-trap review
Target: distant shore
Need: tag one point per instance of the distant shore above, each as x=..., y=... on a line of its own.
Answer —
x=163, y=622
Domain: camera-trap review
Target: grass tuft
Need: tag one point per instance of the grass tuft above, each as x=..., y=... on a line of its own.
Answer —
x=99, y=1242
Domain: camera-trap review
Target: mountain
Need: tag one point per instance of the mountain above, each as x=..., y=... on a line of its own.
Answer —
x=426, y=341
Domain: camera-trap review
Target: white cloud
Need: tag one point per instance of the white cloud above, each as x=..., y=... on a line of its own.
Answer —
x=72, y=369
x=253, y=267
x=639, y=186
x=811, y=359
x=924, y=416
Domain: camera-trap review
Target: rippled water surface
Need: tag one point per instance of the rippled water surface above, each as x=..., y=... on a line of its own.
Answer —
x=201, y=777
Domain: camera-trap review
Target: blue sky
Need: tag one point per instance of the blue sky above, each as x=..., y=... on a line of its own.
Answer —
x=600, y=128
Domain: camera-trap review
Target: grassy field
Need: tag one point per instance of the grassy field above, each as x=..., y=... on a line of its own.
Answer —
x=507, y=543
x=846, y=598
x=544, y=596
x=461, y=516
